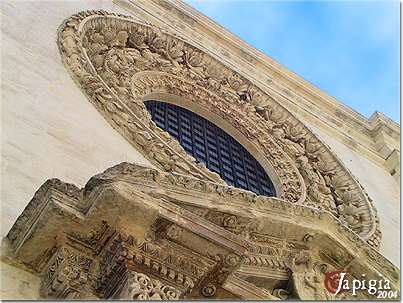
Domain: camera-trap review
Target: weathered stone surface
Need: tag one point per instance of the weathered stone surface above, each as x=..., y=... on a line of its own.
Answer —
x=355, y=139
x=18, y=284
x=50, y=130
x=133, y=222
x=119, y=63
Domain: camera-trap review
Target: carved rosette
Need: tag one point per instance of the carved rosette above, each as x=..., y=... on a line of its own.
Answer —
x=118, y=62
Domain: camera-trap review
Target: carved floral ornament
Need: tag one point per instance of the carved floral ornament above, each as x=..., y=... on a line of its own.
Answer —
x=118, y=62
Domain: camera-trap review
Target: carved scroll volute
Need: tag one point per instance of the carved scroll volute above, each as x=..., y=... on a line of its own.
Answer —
x=105, y=51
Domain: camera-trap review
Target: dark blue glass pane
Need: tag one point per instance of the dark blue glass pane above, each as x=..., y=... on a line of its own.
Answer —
x=209, y=144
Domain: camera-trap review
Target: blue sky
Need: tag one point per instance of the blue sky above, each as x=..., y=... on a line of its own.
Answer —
x=349, y=49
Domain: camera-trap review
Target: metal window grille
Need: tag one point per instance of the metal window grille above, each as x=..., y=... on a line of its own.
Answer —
x=209, y=144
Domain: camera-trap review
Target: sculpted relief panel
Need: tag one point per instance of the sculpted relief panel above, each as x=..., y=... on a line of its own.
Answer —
x=118, y=63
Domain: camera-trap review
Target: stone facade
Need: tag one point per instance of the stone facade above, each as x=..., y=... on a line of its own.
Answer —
x=163, y=226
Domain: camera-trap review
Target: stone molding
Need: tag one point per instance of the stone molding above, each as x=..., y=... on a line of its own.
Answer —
x=118, y=62
x=297, y=94
x=136, y=232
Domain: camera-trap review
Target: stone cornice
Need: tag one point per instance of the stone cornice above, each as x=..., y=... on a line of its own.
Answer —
x=90, y=242
x=374, y=138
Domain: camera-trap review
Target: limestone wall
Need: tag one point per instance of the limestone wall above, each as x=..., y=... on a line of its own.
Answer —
x=17, y=284
x=380, y=186
x=50, y=130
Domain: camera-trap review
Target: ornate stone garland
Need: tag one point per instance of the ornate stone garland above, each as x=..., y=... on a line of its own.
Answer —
x=118, y=62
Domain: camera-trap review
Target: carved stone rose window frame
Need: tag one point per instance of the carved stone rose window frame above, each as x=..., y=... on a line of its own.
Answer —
x=119, y=63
